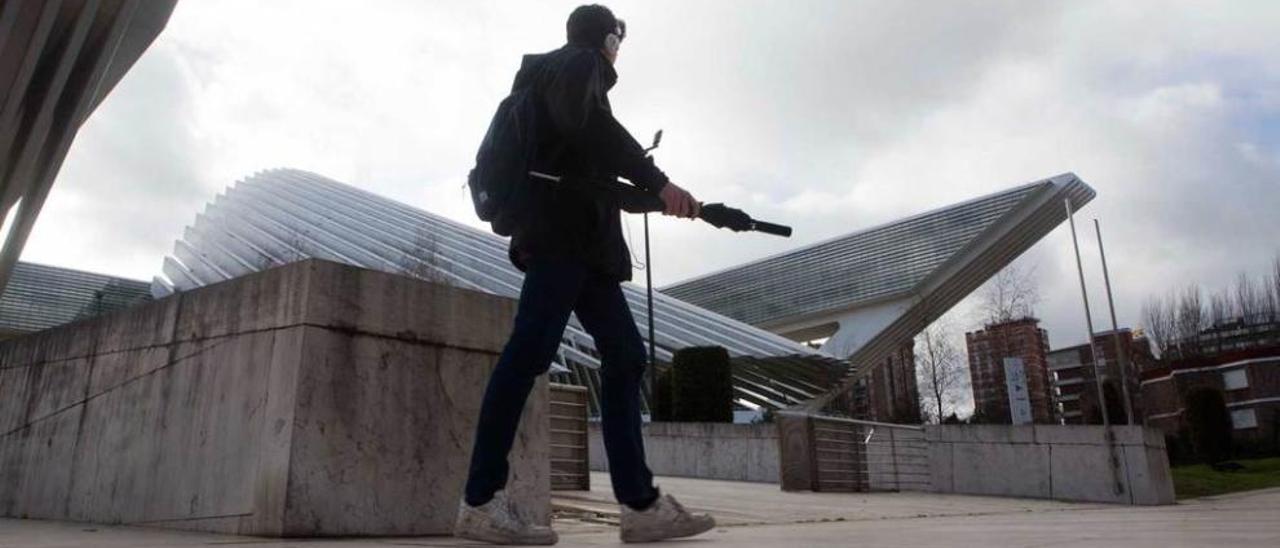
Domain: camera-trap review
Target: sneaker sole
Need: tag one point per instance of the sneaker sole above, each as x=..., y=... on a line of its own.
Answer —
x=503, y=540
x=681, y=534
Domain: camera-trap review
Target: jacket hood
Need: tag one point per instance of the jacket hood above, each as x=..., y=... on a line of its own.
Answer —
x=530, y=65
x=534, y=64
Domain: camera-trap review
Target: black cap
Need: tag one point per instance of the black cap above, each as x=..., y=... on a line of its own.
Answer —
x=589, y=24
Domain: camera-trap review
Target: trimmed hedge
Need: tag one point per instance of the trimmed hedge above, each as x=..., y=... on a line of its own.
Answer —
x=1210, y=425
x=662, y=411
x=701, y=385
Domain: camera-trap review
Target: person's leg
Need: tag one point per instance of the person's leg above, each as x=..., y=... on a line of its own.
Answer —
x=604, y=313
x=546, y=299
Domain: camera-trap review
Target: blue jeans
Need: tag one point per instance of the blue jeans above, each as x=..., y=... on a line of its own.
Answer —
x=553, y=289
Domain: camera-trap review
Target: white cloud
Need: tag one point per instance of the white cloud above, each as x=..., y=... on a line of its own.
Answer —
x=830, y=116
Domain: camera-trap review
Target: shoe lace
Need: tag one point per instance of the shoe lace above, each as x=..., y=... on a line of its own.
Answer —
x=505, y=512
x=513, y=515
x=676, y=504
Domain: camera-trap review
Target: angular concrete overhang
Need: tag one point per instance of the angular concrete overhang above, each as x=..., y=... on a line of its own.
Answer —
x=58, y=59
x=874, y=290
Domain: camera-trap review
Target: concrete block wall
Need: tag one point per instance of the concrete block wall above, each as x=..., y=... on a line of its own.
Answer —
x=314, y=399
x=1050, y=461
x=739, y=452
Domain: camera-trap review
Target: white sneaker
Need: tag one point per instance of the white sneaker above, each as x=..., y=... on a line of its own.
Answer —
x=497, y=522
x=665, y=519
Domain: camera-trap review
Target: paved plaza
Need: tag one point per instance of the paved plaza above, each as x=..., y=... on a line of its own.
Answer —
x=759, y=515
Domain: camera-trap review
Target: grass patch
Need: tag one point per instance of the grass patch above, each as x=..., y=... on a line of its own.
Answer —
x=1200, y=480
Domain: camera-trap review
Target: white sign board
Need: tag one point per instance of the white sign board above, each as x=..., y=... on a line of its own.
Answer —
x=1015, y=379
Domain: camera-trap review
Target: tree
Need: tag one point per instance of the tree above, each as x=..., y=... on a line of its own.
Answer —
x=1220, y=309
x=702, y=385
x=1189, y=319
x=1159, y=324
x=1012, y=294
x=939, y=369
x=424, y=261
x=662, y=404
x=1174, y=323
x=1273, y=290
x=1250, y=300
x=1210, y=425
x=293, y=250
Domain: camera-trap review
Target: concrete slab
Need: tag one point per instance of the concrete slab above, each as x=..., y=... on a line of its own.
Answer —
x=148, y=325
x=981, y=433
x=37, y=392
x=1080, y=472
x=462, y=319
x=1016, y=470
x=264, y=405
x=1151, y=484
x=1051, y=461
x=743, y=503
x=1246, y=520
x=735, y=452
x=1059, y=434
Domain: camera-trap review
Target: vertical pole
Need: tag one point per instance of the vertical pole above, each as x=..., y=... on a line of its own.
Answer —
x=1088, y=317
x=1117, y=483
x=1122, y=355
x=651, y=372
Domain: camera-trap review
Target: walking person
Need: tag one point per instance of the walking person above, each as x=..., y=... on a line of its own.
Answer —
x=569, y=244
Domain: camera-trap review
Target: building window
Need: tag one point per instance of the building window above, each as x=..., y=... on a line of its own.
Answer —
x=1244, y=418
x=1235, y=379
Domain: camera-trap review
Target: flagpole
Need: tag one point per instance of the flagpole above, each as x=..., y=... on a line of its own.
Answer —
x=1122, y=356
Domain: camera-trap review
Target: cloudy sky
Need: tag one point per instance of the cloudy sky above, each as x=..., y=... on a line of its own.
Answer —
x=829, y=116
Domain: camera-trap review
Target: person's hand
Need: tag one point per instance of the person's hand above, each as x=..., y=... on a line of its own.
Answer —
x=678, y=202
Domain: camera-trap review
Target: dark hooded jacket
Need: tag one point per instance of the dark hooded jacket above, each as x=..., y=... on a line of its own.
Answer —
x=579, y=138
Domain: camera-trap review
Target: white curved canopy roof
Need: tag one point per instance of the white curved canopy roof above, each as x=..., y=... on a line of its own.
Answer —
x=921, y=266
x=279, y=216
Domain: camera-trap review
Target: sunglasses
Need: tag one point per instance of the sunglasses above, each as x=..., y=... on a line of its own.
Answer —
x=622, y=30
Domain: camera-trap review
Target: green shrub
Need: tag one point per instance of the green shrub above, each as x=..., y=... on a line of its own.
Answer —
x=1178, y=447
x=662, y=411
x=701, y=385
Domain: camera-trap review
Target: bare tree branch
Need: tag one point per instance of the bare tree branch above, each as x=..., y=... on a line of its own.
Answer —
x=1011, y=295
x=1273, y=313
x=1251, y=300
x=1220, y=309
x=940, y=369
x=423, y=261
x=1175, y=323
x=1158, y=324
x=1190, y=318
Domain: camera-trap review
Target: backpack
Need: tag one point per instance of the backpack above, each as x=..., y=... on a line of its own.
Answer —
x=499, y=182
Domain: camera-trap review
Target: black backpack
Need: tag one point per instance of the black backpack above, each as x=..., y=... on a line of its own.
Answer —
x=500, y=181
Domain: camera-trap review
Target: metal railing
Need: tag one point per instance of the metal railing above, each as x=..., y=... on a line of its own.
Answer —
x=570, y=461
x=857, y=456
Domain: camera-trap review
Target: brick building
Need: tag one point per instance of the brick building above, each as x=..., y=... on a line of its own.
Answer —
x=890, y=393
x=1241, y=360
x=892, y=389
x=988, y=348
x=1075, y=391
